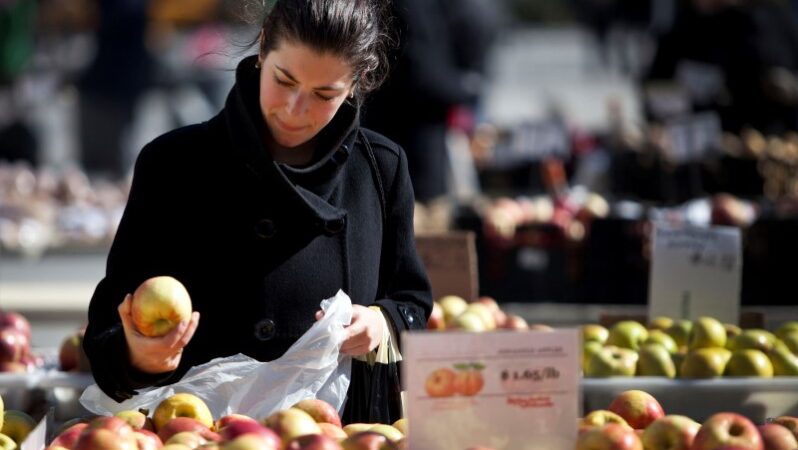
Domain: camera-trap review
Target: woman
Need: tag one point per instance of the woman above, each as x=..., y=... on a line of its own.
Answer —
x=268, y=208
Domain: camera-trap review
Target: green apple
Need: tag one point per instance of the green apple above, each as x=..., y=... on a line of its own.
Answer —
x=754, y=338
x=612, y=361
x=660, y=323
x=6, y=443
x=678, y=359
x=17, y=425
x=705, y=363
x=791, y=341
x=787, y=328
x=749, y=363
x=627, y=334
x=662, y=338
x=594, y=332
x=452, y=307
x=785, y=363
x=588, y=350
x=671, y=432
x=468, y=321
x=732, y=331
x=655, y=361
x=680, y=332
x=707, y=332
x=601, y=417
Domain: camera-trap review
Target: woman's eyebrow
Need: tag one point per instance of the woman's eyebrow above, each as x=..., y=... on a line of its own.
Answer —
x=293, y=79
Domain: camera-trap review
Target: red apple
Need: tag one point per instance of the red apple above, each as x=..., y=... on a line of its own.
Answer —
x=515, y=322
x=320, y=410
x=241, y=427
x=230, y=418
x=638, y=408
x=601, y=417
x=291, y=423
x=159, y=304
x=71, y=356
x=10, y=319
x=332, y=431
x=367, y=440
x=611, y=437
x=436, y=320
x=671, y=432
x=107, y=433
x=728, y=429
x=789, y=422
x=69, y=436
x=250, y=442
x=440, y=383
x=13, y=345
x=777, y=437
x=313, y=442
x=180, y=424
x=147, y=440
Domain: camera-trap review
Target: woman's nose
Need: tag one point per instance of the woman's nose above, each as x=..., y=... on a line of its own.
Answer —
x=297, y=104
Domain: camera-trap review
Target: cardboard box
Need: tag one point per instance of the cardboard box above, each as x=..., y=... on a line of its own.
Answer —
x=451, y=262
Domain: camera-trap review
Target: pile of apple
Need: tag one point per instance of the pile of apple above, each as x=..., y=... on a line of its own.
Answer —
x=704, y=348
x=572, y=215
x=183, y=422
x=635, y=420
x=451, y=312
x=71, y=356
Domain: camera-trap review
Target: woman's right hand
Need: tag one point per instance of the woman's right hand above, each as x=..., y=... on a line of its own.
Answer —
x=155, y=354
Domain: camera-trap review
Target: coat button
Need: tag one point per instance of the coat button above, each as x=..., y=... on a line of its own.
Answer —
x=265, y=329
x=334, y=226
x=265, y=228
x=340, y=156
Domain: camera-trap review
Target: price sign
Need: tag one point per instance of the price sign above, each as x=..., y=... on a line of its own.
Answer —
x=695, y=271
x=503, y=390
x=534, y=141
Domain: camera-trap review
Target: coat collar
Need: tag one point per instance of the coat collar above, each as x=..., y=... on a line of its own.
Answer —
x=309, y=187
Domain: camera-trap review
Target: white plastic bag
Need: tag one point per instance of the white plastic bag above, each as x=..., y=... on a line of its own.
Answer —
x=311, y=368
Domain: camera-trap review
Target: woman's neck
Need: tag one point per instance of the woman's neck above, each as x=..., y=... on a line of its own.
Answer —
x=301, y=155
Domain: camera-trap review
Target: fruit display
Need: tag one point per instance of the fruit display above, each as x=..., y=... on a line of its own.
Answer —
x=636, y=420
x=183, y=421
x=43, y=210
x=703, y=348
x=451, y=312
x=15, y=344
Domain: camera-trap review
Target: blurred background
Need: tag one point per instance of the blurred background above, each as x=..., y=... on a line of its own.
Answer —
x=573, y=124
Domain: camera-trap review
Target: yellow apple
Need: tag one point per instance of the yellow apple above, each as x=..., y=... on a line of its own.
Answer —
x=401, y=425
x=388, y=431
x=749, y=363
x=182, y=405
x=17, y=425
x=452, y=307
x=159, y=304
x=705, y=363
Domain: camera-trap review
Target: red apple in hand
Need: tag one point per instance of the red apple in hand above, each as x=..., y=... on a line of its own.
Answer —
x=671, y=432
x=159, y=304
x=610, y=437
x=638, y=408
x=728, y=429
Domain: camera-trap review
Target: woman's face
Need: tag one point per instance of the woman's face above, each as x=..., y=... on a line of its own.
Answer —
x=300, y=91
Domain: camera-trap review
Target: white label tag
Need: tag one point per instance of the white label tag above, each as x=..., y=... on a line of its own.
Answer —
x=503, y=390
x=695, y=271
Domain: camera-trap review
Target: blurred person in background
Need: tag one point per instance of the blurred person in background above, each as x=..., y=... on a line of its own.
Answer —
x=276, y=203
x=736, y=57
x=439, y=65
x=121, y=71
x=17, y=25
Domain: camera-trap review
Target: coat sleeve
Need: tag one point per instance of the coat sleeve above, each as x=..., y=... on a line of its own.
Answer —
x=136, y=254
x=408, y=300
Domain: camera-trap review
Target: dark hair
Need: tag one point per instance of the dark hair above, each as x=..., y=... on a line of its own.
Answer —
x=356, y=30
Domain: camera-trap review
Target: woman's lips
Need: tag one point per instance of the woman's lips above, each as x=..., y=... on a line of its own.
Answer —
x=287, y=127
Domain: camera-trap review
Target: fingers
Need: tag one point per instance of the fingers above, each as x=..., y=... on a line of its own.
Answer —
x=319, y=314
x=181, y=334
x=356, y=351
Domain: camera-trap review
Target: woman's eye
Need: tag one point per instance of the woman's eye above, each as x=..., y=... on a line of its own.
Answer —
x=283, y=82
x=324, y=97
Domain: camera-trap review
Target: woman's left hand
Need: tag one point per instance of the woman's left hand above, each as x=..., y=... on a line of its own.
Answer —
x=364, y=333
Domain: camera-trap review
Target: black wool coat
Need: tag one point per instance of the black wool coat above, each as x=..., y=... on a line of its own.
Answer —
x=258, y=244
